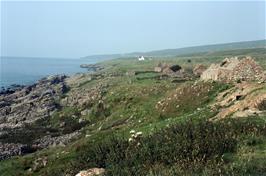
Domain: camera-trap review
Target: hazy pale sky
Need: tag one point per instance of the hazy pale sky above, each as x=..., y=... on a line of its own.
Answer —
x=76, y=29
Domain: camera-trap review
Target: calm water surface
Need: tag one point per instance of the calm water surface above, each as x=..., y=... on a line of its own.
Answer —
x=15, y=70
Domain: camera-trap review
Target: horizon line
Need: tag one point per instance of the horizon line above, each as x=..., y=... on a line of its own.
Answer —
x=184, y=47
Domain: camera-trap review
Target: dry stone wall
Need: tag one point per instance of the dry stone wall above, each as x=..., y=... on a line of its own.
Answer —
x=235, y=69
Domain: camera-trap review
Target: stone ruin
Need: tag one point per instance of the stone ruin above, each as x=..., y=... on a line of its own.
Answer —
x=173, y=70
x=199, y=69
x=235, y=69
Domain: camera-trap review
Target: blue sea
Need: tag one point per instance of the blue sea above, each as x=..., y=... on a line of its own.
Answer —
x=24, y=71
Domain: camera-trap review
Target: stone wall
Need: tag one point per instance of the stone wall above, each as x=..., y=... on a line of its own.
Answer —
x=235, y=69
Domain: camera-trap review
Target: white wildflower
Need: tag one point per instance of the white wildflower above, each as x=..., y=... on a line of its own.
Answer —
x=132, y=132
x=139, y=133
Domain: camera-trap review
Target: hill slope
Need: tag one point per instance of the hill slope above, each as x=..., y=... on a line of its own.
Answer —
x=187, y=50
x=172, y=117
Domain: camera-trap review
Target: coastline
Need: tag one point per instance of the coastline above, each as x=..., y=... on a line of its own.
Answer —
x=21, y=71
x=90, y=68
x=23, y=106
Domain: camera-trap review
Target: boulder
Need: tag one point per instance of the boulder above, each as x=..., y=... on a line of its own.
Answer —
x=91, y=172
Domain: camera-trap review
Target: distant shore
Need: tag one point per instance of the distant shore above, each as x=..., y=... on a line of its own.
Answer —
x=18, y=71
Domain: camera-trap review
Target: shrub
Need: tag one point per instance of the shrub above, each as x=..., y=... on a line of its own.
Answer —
x=186, y=144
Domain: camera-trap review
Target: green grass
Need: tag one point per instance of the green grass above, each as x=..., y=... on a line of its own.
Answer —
x=174, y=141
x=199, y=147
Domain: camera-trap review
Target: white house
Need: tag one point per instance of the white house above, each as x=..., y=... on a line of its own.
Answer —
x=141, y=58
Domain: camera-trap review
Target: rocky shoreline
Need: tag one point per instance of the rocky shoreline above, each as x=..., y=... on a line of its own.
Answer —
x=30, y=103
x=21, y=107
x=10, y=89
x=91, y=67
x=53, y=111
x=26, y=112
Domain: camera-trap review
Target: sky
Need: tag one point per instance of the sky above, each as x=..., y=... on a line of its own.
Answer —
x=76, y=29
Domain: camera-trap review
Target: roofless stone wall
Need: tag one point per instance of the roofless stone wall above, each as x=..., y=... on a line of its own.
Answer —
x=235, y=69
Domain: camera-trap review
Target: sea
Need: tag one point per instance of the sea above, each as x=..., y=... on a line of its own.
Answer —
x=25, y=71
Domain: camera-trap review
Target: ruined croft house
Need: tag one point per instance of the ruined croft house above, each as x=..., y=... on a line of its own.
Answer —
x=170, y=70
x=235, y=69
x=167, y=69
x=199, y=69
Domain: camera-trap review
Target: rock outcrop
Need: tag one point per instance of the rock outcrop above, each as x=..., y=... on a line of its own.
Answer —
x=92, y=67
x=31, y=103
x=21, y=108
x=85, y=98
x=10, y=149
x=48, y=141
x=243, y=100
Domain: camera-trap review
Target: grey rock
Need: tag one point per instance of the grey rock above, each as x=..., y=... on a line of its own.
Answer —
x=9, y=150
x=30, y=103
x=49, y=141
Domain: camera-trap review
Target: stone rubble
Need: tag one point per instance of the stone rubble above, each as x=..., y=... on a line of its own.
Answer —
x=173, y=71
x=167, y=69
x=235, y=69
x=199, y=69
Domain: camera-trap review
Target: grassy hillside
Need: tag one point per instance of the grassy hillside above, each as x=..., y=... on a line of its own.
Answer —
x=131, y=63
x=206, y=49
x=177, y=136
x=209, y=48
